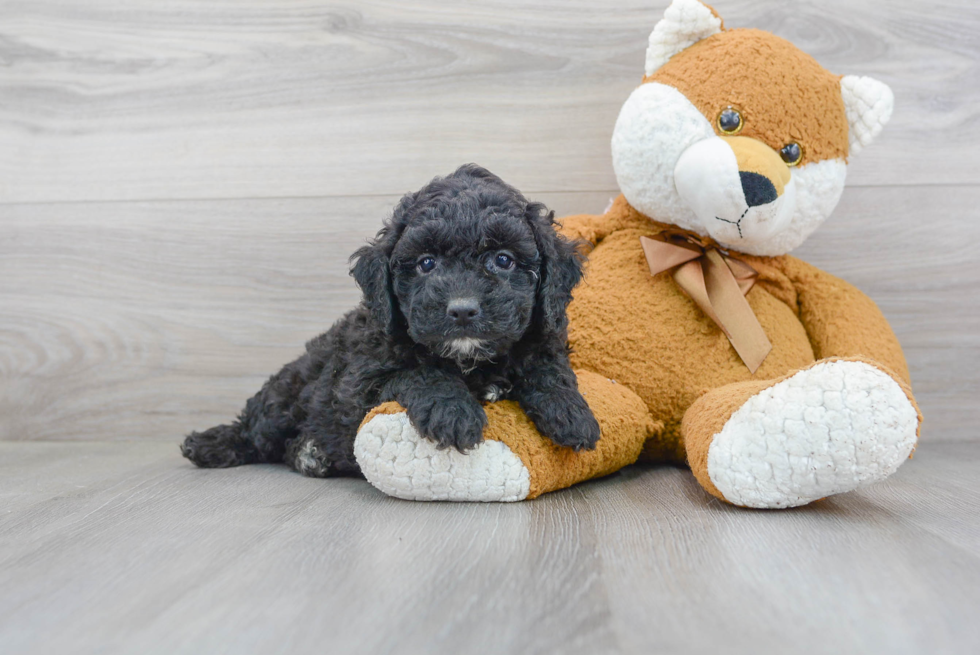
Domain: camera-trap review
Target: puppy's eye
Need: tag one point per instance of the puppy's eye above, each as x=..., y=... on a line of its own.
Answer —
x=426, y=264
x=791, y=153
x=730, y=121
x=504, y=261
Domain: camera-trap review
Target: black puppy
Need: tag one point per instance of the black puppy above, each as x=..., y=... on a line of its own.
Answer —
x=465, y=291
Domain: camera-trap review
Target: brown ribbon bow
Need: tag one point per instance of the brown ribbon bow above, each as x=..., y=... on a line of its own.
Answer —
x=718, y=283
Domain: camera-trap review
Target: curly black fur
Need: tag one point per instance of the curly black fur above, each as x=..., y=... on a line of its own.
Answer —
x=465, y=291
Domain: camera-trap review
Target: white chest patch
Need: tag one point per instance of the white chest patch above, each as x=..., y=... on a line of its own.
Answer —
x=464, y=348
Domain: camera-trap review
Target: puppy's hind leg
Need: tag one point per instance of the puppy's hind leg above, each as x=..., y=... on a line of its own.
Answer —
x=320, y=455
x=220, y=447
x=262, y=430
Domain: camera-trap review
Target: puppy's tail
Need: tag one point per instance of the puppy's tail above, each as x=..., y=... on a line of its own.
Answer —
x=220, y=447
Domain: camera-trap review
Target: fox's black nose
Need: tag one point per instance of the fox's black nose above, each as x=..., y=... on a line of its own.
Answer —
x=757, y=188
x=462, y=311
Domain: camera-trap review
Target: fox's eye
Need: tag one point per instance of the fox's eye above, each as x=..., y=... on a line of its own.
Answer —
x=504, y=261
x=426, y=264
x=791, y=153
x=730, y=121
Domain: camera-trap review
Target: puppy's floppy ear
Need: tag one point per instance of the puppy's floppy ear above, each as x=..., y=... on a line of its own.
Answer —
x=372, y=272
x=560, y=269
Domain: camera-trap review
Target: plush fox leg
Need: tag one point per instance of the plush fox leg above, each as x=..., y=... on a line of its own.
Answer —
x=835, y=426
x=513, y=463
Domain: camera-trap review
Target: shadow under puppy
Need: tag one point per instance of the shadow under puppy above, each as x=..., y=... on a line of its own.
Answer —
x=465, y=291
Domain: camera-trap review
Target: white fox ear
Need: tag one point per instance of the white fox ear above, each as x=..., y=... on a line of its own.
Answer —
x=869, y=105
x=684, y=23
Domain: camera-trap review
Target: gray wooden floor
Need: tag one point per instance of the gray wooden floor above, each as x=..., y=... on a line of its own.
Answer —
x=181, y=184
x=124, y=548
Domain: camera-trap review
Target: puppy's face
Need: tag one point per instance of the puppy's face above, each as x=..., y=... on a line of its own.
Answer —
x=465, y=275
x=467, y=267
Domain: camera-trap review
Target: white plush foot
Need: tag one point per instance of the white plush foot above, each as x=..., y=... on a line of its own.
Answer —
x=831, y=428
x=401, y=463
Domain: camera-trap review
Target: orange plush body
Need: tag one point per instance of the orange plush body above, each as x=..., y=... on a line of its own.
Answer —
x=736, y=141
x=648, y=335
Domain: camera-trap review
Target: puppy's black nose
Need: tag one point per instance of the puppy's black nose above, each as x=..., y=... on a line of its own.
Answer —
x=757, y=188
x=463, y=310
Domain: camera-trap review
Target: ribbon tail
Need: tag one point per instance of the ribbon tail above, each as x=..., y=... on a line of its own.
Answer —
x=744, y=274
x=735, y=315
x=690, y=278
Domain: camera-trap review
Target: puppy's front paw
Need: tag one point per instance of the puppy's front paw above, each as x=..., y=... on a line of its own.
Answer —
x=581, y=434
x=456, y=425
x=567, y=420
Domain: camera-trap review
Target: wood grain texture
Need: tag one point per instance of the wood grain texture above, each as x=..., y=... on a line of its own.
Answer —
x=147, y=320
x=125, y=548
x=131, y=307
x=108, y=100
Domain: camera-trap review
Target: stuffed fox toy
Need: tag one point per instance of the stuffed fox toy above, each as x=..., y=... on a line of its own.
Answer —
x=697, y=339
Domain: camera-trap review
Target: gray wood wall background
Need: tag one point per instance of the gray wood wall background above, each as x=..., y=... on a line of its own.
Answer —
x=181, y=183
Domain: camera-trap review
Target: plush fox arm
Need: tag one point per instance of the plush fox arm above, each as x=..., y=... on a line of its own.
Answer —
x=596, y=227
x=592, y=228
x=843, y=322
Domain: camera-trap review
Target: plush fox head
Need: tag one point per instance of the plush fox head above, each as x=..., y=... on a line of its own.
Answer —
x=738, y=134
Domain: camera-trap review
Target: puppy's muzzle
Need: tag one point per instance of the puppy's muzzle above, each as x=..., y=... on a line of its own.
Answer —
x=463, y=311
